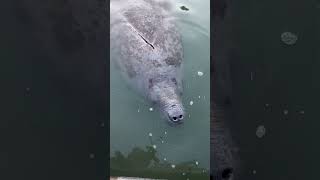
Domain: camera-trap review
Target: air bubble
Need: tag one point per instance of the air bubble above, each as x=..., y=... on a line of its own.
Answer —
x=200, y=73
x=91, y=156
x=261, y=131
x=151, y=109
x=154, y=147
x=197, y=163
x=173, y=166
x=289, y=38
x=285, y=112
x=150, y=134
x=191, y=103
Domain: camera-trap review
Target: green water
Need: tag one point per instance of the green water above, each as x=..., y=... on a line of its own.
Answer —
x=142, y=144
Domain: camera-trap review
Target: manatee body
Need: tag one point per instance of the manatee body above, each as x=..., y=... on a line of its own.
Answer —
x=146, y=47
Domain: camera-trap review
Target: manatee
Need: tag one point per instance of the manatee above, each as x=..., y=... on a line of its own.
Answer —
x=146, y=47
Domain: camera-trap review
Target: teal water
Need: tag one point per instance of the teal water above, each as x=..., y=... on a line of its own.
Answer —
x=139, y=135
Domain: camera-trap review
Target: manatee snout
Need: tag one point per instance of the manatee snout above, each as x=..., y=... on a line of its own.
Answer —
x=175, y=113
x=165, y=93
x=172, y=108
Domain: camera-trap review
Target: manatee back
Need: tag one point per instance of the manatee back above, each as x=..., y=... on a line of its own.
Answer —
x=147, y=44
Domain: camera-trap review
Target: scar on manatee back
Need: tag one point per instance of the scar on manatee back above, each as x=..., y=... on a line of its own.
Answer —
x=146, y=41
x=131, y=16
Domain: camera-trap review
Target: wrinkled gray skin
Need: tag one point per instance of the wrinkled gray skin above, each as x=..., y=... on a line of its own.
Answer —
x=146, y=47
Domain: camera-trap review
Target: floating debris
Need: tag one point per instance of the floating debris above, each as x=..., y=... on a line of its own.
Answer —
x=254, y=172
x=102, y=124
x=150, y=134
x=162, y=142
x=289, y=38
x=301, y=112
x=189, y=116
x=91, y=156
x=154, y=147
x=165, y=132
x=184, y=8
x=261, y=131
x=285, y=112
x=200, y=73
x=164, y=159
x=27, y=89
x=203, y=171
x=183, y=174
x=267, y=105
x=197, y=163
x=199, y=97
x=251, y=76
x=173, y=166
x=151, y=109
x=138, y=110
x=191, y=103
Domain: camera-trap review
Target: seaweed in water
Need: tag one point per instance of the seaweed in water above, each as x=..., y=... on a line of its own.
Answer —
x=145, y=163
x=184, y=8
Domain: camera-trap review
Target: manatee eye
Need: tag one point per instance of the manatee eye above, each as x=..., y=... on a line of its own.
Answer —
x=150, y=83
x=174, y=80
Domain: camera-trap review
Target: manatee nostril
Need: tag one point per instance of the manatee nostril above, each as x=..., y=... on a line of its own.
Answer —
x=181, y=116
x=176, y=119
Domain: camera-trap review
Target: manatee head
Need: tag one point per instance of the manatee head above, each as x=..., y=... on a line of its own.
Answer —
x=166, y=94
